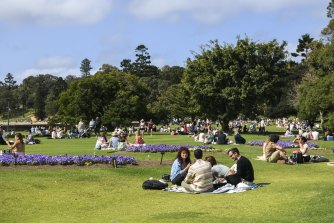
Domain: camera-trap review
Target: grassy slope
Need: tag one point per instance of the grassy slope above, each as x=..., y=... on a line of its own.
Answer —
x=295, y=193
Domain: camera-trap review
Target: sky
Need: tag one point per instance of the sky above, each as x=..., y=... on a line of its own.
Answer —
x=54, y=36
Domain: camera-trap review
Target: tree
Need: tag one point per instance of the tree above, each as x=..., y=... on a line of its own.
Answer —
x=228, y=80
x=304, y=46
x=85, y=67
x=34, y=91
x=330, y=9
x=316, y=99
x=142, y=66
x=117, y=97
x=51, y=106
x=174, y=102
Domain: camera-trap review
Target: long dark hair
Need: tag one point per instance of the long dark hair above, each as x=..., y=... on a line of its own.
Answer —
x=178, y=156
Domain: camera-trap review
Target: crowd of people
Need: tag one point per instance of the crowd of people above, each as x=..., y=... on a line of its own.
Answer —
x=204, y=175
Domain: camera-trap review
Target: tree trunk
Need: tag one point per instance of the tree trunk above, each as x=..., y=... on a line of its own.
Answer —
x=322, y=123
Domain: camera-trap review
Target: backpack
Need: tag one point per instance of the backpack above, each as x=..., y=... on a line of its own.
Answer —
x=154, y=185
x=317, y=159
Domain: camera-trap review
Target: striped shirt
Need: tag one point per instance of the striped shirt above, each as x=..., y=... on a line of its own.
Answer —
x=200, y=176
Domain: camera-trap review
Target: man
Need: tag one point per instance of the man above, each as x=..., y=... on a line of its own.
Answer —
x=199, y=178
x=244, y=172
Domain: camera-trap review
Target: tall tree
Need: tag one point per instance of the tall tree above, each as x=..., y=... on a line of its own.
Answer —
x=85, y=67
x=304, y=46
x=228, y=80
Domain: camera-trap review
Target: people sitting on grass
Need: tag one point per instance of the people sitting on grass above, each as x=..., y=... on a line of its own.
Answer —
x=222, y=138
x=29, y=138
x=102, y=142
x=303, y=148
x=123, y=141
x=18, y=147
x=113, y=142
x=315, y=135
x=219, y=171
x=288, y=133
x=244, y=171
x=180, y=166
x=238, y=138
x=274, y=152
x=138, y=139
x=199, y=178
x=328, y=136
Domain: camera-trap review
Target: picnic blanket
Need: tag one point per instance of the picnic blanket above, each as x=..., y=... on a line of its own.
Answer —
x=228, y=189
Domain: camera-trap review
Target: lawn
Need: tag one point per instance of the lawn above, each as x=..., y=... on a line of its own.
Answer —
x=295, y=193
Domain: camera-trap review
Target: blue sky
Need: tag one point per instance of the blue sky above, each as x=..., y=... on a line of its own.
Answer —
x=54, y=36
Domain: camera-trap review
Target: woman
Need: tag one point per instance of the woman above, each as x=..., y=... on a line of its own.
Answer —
x=303, y=148
x=180, y=166
x=123, y=141
x=18, y=147
x=142, y=127
x=274, y=152
x=138, y=139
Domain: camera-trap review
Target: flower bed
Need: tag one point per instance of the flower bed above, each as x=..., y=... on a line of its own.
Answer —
x=284, y=144
x=39, y=159
x=164, y=148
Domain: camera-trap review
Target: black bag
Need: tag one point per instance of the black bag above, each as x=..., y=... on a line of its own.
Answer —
x=297, y=157
x=166, y=177
x=317, y=159
x=154, y=185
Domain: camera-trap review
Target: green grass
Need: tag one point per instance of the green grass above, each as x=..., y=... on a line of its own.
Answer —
x=295, y=193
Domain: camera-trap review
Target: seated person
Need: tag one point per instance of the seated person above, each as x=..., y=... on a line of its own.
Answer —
x=244, y=172
x=201, y=137
x=123, y=141
x=219, y=171
x=288, y=133
x=238, y=138
x=29, y=139
x=315, y=135
x=221, y=138
x=113, y=142
x=303, y=148
x=18, y=146
x=274, y=152
x=207, y=140
x=180, y=166
x=138, y=139
x=199, y=178
x=102, y=142
x=328, y=135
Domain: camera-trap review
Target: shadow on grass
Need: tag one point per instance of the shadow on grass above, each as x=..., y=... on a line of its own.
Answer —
x=178, y=215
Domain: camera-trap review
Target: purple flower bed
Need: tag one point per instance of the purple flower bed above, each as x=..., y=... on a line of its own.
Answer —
x=163, y=148
x=284, y=144
x=39, y=159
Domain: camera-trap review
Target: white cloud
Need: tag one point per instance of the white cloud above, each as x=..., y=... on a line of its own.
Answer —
x=209, y=11
x=53, y=12
x=54, y=62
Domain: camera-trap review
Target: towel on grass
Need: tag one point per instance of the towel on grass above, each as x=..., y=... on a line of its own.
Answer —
x=228, y=188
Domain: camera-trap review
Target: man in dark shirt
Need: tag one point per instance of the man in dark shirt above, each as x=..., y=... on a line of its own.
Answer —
x=245, y=171
x=221, y=138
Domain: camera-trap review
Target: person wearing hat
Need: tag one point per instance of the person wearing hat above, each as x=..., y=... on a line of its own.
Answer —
x=113, y=143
